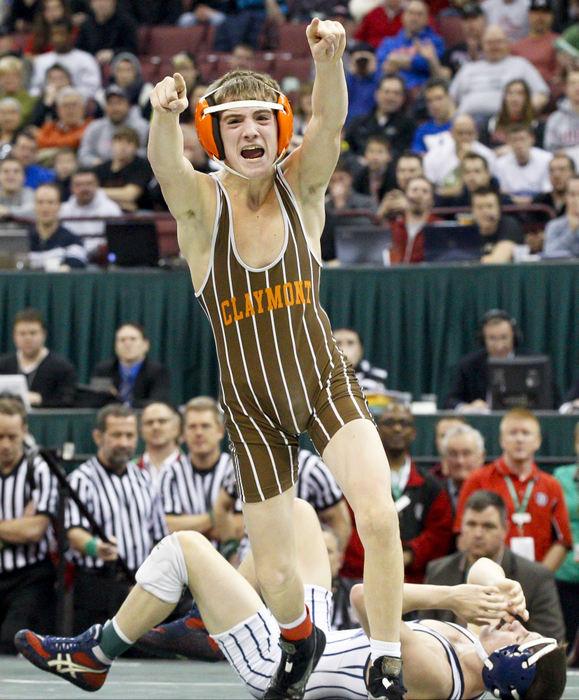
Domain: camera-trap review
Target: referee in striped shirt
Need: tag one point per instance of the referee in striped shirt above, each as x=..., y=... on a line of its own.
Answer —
x=122, y=500
x=28, y=501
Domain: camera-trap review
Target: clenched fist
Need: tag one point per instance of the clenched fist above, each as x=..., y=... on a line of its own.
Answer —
x=327, y=40
x=170, y=95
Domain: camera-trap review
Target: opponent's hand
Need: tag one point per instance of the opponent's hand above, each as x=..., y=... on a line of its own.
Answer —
x=327, y=40
x=170, y=95
x=516, y=604
x=479, y=604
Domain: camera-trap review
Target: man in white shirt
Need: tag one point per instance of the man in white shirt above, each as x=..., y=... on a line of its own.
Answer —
x=15, y=199
x=88, y=200
x=511, y=15
x=478, y=86
x=82, y=66
x=524, y=172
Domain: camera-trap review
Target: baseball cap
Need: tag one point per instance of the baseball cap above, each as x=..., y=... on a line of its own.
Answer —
x=116, y=90
x=470, y=10
x=544, y=5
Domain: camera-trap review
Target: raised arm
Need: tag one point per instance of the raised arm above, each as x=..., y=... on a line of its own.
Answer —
x=321, y=145
x=174, y=172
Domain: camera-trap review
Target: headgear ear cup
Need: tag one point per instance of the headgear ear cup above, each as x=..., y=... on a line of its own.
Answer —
x=207, y=126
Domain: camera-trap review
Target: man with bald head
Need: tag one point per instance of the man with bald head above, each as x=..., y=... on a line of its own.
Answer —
x=423, y=506
x=478, y=86
x=442, y=161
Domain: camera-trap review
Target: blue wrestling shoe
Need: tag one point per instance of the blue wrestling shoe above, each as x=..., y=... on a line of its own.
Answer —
x=72, y=658
x=298, y=660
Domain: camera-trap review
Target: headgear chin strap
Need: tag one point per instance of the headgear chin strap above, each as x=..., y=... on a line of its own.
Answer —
x=209, y=133
x=509, y=671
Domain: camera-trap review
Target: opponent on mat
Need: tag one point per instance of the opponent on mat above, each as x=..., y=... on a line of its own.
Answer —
x=441, y=660
x=251, y=236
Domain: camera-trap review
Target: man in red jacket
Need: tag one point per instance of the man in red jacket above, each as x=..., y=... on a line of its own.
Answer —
x=539, y=526
x=407, y=236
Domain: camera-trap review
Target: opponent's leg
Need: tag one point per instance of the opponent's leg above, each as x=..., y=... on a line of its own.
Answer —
x=271, y=529
x=356, y=457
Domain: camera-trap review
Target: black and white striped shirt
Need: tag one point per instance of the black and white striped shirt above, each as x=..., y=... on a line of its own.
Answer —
x=30, y=480
x=125, y=506
x=186, y=490
x=372, y=379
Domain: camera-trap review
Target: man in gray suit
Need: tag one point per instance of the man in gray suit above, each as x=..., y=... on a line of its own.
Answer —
x=483, y=533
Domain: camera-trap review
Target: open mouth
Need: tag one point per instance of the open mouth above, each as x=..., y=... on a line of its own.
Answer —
x=252, y=152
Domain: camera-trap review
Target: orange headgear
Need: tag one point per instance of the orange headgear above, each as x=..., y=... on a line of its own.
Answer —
x=207, y=122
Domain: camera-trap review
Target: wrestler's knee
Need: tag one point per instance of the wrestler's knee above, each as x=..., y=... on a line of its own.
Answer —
x=275, y=574
x=377, y=521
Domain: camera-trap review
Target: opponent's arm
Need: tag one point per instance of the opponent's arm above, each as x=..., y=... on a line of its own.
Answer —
x=173, y=171
x=321, y=145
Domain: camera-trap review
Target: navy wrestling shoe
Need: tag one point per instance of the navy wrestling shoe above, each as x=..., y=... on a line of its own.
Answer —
x=298, y=660
x=384, y=679
x=71, y=658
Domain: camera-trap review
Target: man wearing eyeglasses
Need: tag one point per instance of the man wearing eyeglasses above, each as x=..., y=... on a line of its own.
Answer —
x=423, y=505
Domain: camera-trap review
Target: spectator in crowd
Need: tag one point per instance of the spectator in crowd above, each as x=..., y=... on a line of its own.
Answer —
x=149, y=12
x=562, y=129
x=442, y=426
x=362, y=80
x=48, y=12
x=15, y=199
x=538, y=46
x=524, y=172
x=388, y=118
x=562, y=234
x=500, y=233
x=424, y=509
x=383, y=21
x=303, y=108
x=12, y=84
x=538, y=520
x=136, y=379
x=567, y=575
x=441, y=110
x=127, y=74
x=125, y=178
x=511, y=15
x=561, y=170
x=82, y=66
x=28, y=503
x=474, y=174
x=67, y=130
x=373, y=178
x=442, y=160
x=415, y=50
x=341, y=197
x=407, y=237
x=483, y=534
x=51, y=378
x=21, y=15
x=500, y=336
x=516, y=109
x=88, y=200
x=25, y=149
x=107, y=31
x=193, y=150
x=160, y=426
x=190, y=485
x=122, y=501
x=211, y=12
x=97, y=142
x=185, y=63
x=65, y=164
x=372, y=379
x=245, y=22
x=56, y=78
x=473, y=25
x=10, y=123
x=393, y=204
x=463, y=451
x=52, y=246
x=478, y=86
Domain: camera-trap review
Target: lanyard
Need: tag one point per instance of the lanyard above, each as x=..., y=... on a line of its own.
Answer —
x=520, y=507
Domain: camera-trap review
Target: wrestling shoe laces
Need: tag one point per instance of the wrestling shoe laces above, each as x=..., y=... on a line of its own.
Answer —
x=77, y=659
x=385, y=679
x=298, y=660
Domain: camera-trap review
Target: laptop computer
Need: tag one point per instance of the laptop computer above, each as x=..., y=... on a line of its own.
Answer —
x=14, y=385
x=363, y=245
x=447, y=241
x=132, y=243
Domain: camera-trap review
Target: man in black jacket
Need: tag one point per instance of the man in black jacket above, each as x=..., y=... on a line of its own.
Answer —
x=136, y=380
x=483, y=534
x=51, y=378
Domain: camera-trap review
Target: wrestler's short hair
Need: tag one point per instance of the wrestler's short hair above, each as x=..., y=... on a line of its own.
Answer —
x=244, y=85
x=551, y=676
